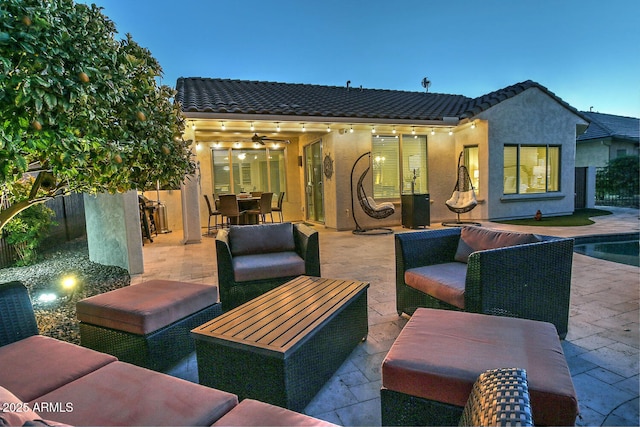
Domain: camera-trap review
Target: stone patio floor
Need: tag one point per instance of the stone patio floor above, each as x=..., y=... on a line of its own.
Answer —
x=602, y=346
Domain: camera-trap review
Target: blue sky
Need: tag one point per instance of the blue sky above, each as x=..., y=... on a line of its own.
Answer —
x=585, y=51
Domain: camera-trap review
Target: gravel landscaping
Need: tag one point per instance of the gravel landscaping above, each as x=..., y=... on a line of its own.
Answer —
x=57, y=318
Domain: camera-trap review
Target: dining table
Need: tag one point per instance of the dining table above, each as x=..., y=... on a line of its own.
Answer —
x=245, y=203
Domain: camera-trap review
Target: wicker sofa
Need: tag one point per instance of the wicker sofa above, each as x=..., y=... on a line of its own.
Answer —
x=44, y=381
x=253, y=259
x=485, y=271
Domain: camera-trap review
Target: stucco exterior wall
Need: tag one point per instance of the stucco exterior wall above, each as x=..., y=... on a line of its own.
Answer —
x=114, y=236
x=592, y=153
x=534, y=118
x=345, y=148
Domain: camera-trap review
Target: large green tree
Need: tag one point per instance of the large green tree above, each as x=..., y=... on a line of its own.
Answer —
x=80, y=109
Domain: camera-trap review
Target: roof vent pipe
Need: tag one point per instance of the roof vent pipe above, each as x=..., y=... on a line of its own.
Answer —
x=348, y=83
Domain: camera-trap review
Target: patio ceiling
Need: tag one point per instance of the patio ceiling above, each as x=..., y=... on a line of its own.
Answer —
x=212, y=130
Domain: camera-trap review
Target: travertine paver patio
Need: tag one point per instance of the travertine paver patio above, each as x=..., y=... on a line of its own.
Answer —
x=602, y=346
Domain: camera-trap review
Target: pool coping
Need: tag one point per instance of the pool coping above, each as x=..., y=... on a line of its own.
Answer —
x=599, y=238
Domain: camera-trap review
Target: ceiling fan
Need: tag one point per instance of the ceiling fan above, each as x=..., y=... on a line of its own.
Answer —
x=261, y=139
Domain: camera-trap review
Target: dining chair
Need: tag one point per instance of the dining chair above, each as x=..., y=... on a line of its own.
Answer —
x=264, y=207
x=229, y=208
x=213, y=212
x=278, y=207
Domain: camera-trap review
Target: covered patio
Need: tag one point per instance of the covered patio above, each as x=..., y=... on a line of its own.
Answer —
x=602, y=345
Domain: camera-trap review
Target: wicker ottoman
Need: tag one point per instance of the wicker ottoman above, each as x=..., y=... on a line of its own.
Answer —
x=252, y=412
x=428, y=374
x=147, y=324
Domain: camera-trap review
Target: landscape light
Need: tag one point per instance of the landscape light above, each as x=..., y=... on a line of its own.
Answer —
x=47, y=297
x=69, y=282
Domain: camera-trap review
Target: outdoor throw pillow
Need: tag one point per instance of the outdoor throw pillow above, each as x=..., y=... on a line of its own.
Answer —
x=261, y=239
x=474, y=239
x=14, y=412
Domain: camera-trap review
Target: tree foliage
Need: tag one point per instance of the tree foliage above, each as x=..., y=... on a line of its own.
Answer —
x=81, y=109
x=27, y=229
x=620, y=176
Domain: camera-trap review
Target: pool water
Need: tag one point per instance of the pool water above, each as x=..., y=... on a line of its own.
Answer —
x=613, y=249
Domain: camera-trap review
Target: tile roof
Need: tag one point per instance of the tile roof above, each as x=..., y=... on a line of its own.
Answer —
x=210, y=95
x=609, y=125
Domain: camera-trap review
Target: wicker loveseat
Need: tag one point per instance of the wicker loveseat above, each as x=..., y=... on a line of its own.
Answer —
x=45, y=381
x=485, y=271
x=253, y=259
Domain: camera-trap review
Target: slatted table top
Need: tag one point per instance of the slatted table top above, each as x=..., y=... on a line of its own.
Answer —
x=280, y=320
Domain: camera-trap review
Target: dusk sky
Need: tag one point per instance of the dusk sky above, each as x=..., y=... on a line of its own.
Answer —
x=587, y=52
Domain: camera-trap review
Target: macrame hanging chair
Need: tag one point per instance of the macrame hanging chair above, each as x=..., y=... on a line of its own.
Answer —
x=368, y=204
x=463, y=198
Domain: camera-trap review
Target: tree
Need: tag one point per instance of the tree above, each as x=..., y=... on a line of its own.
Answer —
x=80, y=110
x=621, y=176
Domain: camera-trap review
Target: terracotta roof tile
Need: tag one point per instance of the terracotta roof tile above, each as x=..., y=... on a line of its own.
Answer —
x=209, y=95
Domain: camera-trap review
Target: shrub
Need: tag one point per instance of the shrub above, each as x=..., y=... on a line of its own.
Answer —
x=620, y=176
x=26, y=230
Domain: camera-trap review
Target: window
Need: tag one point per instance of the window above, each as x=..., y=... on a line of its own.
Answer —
x=531, y=169
x=246, y=170
x=472, y=163
x=414, y=164
x=385, y=159
x=389, y=168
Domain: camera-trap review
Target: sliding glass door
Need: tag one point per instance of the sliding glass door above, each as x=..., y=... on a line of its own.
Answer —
x=314, y=192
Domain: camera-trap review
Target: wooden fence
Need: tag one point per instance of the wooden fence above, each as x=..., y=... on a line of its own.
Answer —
x=70, y=220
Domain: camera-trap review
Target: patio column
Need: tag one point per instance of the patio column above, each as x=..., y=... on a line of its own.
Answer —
x=190, y=210
x=114, y=236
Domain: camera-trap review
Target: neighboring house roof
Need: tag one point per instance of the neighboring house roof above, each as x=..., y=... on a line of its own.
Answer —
x=610, y=126
x=225, y=96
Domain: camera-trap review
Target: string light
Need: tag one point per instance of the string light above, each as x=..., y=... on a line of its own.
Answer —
x=473, y=125
x=252, y=127
x=277, y=127
x=328, y=128
x=222, y=126
x=413, y=130
x=304, y=129
x=373, y=129
x=450, y=131
x=394, y=130
x=351, y=129
x=433, y=132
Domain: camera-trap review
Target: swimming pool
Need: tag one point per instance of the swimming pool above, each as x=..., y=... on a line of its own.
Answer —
x=621, y=248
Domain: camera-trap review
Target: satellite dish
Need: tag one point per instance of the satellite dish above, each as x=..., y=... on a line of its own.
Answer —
x=426, y=83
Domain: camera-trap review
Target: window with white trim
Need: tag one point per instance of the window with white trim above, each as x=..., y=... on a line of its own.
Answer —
x=531, y=169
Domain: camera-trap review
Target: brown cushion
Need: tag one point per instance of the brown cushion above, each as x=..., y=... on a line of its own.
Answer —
x=36, y=365
x=440, y=353
x=267, y=266
x=128, y=395
x=445, y=282
x=146, y=307
x=474, y=239
x=262, y=238
x=255, y=413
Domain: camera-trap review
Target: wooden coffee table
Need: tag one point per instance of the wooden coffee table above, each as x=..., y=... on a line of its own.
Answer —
x=283, y=346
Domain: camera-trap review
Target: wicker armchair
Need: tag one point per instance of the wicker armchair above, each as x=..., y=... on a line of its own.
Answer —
x=530, y=281
x=253, y=259
x=17, y=320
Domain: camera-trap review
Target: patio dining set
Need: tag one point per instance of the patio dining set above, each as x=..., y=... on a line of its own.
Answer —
x=488, y=310
x=241, y=209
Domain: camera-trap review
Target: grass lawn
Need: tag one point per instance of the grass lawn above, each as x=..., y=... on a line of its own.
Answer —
x=580, y=217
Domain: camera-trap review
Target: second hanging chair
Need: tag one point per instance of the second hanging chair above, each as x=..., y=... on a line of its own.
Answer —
x=463, y=199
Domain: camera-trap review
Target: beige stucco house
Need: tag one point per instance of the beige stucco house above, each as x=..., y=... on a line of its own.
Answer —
x=608, y=137
x=519, y=145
